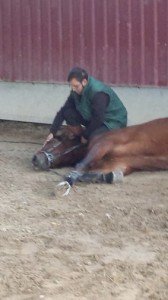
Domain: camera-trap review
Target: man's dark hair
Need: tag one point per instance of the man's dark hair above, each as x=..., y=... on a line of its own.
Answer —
x=77, y=73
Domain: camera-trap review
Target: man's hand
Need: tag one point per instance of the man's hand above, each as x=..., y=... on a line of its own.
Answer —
x=48, y=139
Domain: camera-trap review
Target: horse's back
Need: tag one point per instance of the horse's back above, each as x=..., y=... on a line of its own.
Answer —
x=156, y=130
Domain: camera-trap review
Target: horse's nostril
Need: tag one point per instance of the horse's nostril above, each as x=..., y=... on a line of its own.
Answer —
x=34, y=161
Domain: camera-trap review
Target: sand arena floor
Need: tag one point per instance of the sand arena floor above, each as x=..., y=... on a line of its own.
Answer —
x=101, y=242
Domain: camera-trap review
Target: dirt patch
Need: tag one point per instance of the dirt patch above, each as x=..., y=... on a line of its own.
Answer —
x=99, y=242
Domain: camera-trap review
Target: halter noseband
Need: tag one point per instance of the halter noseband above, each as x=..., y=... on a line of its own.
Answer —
x=50, y=156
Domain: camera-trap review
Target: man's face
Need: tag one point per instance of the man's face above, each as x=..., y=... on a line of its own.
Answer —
x=77, y=86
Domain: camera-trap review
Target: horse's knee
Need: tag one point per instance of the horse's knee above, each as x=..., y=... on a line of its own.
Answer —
x=80, y=166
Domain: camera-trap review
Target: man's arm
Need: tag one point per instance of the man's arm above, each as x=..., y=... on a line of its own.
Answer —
x=59, y=118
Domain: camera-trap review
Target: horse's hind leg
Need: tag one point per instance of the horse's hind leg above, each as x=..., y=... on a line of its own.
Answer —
x=129, y=164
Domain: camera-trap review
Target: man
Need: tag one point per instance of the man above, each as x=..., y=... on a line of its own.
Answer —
x=92, y=104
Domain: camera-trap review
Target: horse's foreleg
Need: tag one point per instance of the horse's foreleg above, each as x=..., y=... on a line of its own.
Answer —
x=92, y=156
x=107, y=171
x=95, y=154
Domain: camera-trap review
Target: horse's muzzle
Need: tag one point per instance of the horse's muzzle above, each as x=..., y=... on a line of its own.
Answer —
x=40, y=161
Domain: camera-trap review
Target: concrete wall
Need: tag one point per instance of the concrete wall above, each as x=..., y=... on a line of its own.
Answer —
x=39, y=102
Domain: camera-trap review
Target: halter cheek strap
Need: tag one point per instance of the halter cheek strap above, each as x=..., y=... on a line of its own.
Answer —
x=49, y=157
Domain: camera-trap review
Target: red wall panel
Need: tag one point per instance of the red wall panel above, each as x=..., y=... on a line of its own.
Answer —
x=123, y=42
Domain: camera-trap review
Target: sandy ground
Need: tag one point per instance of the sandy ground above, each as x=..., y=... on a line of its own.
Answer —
x=100, y=242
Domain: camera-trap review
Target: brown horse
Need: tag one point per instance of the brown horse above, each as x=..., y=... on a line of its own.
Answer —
x=123, y=151
x=111, y=155
x=63, y=151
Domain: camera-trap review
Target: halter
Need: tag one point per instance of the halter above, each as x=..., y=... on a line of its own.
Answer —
x=50, y=156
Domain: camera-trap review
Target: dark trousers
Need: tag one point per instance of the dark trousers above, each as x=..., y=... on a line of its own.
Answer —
x=74, y=118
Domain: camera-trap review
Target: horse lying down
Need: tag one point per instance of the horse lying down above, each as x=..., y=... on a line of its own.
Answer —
x=64, y=150
x=111, y=155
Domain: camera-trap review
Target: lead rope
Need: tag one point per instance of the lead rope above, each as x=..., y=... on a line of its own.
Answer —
x=62, y=183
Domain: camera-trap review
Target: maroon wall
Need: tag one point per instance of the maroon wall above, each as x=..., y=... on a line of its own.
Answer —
x=123, y=42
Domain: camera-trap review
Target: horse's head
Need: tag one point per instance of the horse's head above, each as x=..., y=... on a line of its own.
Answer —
x=60, y=152
x=44, y=158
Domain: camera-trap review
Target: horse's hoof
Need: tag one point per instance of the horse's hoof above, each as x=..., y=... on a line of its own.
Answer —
x=69, y=179
x=118, y=176
x=72, y=177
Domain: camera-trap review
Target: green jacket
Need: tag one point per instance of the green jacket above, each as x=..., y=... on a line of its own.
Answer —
x=115, y=114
